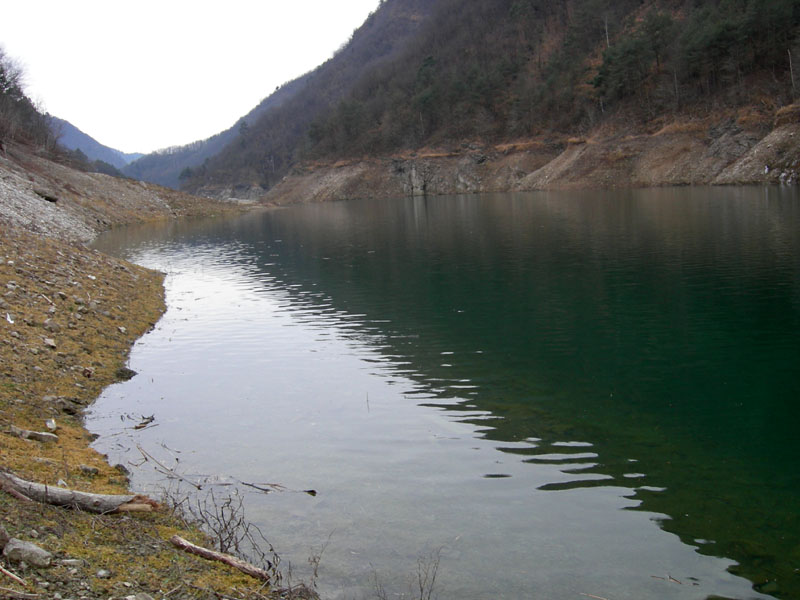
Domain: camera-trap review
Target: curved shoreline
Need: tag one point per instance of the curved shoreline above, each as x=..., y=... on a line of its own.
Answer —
x=69, y=317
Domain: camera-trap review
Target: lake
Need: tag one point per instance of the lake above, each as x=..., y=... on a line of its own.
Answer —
x=546, y=395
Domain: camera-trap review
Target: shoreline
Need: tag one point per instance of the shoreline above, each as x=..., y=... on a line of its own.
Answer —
x=70, y=316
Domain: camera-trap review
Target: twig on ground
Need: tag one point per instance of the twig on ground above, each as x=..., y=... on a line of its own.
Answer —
x=7, y=593
x=227, y=559
x=13, y=577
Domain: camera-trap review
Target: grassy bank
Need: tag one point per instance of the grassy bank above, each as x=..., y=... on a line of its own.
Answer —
x=68, y=318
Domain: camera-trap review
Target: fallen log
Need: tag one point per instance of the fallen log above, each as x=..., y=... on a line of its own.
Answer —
x=227, y=559
x=86, y=501
x=26, y=434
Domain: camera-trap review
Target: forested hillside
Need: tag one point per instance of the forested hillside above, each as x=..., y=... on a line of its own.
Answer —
x=171, y=166
x=445, y=72
x=268, y=147
x=20, y=119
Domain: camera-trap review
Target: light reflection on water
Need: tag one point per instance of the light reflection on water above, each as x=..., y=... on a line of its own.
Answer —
x=255, y=377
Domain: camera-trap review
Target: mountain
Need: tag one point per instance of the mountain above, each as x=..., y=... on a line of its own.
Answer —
x=451, y=74
x=72, y=138
x=477, y=79
x=168, y=166
x=268, y=137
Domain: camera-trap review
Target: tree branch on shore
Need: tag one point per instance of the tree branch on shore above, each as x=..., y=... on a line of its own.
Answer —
x=227, y=559
x=13, y=577
x=94, y=503
x=8, y=593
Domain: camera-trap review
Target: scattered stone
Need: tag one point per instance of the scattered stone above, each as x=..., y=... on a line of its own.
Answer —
x=92, y=471
x=4, y=537
x=122, y=330
x=51, y=325
x=50, y=342
x=103, y=574
x=51, y=424
x=124, y=373
x=18, y=551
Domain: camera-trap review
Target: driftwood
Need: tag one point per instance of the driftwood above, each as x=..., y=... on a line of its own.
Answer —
x=39, y=436
x=7, y=593
x=227, y=559
x=13, y=577
x=95, y=503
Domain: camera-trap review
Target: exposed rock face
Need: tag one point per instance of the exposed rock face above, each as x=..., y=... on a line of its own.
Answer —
x=728, y=151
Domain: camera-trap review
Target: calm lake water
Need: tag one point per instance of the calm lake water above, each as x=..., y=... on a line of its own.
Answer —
x=564, y=395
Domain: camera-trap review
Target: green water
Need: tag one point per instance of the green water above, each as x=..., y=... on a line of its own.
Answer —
x=657, y=329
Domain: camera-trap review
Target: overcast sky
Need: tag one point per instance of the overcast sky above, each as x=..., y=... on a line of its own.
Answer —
x=143, y=75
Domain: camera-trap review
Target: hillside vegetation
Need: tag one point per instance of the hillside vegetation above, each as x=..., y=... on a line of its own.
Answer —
x=445, y=73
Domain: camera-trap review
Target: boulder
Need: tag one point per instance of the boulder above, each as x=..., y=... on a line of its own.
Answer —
x=18, y=551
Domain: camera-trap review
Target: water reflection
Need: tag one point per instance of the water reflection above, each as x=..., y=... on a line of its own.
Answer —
x=590, y=353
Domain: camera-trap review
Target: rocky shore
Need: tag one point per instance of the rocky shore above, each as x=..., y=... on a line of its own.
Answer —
x=752, y=145
x=68, y=317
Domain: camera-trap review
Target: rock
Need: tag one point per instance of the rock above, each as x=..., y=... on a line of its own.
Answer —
x=51, y=326
x=18, y=551
x=89, y=470
x=124, y=373
x=50, y=342
x=103, y=574
x=4, y=537
x=51, y=424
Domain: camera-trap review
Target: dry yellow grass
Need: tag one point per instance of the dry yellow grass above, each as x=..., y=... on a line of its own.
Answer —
x=68, y=316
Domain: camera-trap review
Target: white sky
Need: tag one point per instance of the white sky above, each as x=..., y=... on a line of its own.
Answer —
x=142, y=75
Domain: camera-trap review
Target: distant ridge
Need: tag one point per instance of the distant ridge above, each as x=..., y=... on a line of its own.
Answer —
x=166, y=166
x=72, y=138
x=271, y=134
